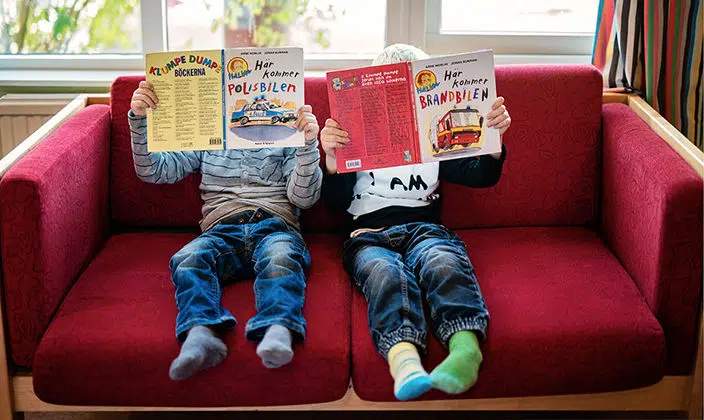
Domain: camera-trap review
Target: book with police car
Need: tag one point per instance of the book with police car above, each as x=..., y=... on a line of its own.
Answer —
x=235, y=98
x=414, y=112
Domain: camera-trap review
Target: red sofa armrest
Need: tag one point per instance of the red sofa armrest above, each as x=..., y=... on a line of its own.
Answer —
x=53, y=219
x=652, y=219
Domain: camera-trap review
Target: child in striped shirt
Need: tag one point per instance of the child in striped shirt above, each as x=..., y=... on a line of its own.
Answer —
x=251, y=201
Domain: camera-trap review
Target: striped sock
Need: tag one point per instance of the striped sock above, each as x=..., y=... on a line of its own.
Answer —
x=410, y=379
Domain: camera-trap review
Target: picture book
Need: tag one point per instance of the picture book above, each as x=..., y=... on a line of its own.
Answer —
x=414, y=112
x=225, y=99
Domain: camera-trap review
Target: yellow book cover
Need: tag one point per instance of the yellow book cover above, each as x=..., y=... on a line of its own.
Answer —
x=189, y=86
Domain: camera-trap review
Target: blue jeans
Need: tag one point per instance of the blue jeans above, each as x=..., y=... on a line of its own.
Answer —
x=252, y=243
x=395, y=267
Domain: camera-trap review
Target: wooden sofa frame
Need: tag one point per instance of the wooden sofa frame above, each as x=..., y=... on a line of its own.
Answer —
x=672, y=393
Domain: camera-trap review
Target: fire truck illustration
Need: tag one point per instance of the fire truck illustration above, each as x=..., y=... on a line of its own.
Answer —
x=458, y=127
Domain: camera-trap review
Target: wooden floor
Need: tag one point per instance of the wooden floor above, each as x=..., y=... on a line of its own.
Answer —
x=484, y=415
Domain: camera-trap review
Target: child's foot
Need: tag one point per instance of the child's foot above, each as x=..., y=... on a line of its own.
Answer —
x=275, y=349
x=410, y=379
x=201, y=350
x=459, y=371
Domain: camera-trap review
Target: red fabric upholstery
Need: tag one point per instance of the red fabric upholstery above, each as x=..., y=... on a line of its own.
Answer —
x=112, y=340
x=565, y=318
x=137, y=203
x=319, y=218
x=53, y=219
x=551, y=174
x=569, y=314
x=652, y=219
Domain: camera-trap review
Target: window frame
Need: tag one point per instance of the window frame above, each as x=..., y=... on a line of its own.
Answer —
x=415, y=22
x=503, y=44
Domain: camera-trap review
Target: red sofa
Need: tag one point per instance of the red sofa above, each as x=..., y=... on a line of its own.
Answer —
x=588, y=251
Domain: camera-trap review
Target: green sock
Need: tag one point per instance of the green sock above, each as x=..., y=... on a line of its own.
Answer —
x=459, y=371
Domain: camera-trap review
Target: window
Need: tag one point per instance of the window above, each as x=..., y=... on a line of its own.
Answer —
x=319, y=26
x=70, y=27
x=45, y=41
x=518, y=16
x=328, y=30
x=515, y=27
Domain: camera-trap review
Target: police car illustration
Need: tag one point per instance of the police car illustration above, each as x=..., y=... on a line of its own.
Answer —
x=263, y=111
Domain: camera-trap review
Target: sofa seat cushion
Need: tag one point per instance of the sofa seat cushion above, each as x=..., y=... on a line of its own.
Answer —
x=112, y=340
x=565, y=318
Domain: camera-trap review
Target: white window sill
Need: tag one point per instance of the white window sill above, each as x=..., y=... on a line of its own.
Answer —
x=101, y=78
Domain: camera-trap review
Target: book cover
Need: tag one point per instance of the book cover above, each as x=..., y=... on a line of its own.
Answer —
x=217, y=99
x=375, y=106
x=453, y=94
x=189, y=114
x=263, y=90
x=406, y=113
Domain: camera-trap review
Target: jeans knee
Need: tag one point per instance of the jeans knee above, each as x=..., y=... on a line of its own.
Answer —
x=282, y=254
x=188, y=258
x=380, y=277
x=447, y=262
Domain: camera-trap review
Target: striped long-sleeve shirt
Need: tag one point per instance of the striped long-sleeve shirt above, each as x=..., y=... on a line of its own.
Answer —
x=278, y=180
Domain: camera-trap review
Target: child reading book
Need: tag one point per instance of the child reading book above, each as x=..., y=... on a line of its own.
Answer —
x=250, y=226
x=399, y=254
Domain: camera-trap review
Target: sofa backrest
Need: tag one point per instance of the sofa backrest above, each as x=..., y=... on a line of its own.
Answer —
x=551, y=173
x=136, y=203
x=550, y=176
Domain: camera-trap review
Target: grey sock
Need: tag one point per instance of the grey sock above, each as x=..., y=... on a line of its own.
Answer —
x=275, y=349
x=201, y=350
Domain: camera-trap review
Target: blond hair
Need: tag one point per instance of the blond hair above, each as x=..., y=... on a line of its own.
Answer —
x=397, y=53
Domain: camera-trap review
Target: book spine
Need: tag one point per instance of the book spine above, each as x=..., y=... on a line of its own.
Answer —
x=414, y=116
x=339, y=162
x=224, y=100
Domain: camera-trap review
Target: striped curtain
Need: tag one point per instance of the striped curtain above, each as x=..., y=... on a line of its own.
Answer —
x=654, y=47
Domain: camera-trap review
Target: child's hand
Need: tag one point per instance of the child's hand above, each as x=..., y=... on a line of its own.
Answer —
x=143, y=98
x=498, y=116
x=307, y=123
x=332, y=137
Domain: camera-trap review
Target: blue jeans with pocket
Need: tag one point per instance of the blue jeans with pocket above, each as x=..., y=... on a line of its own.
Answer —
x=252, y=243
x=398, y=268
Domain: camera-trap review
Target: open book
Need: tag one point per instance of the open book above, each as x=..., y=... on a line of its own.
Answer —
x=225, y=99
x=414, y=112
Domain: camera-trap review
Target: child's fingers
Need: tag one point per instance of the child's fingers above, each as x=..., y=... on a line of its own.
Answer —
x=144, y=98
x=504, y=123
x=304, y=120
x=336, y=132
x=495, y=121
x=498, y=102
x=311, y=128
x=139, y=109
x=331, y=138
x=331, y=123
x=146, y=85
x=305, y=108
x=496, y=112
x=330, y=147
x=148, y=92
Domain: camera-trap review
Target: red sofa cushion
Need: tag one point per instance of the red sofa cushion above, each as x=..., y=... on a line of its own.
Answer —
x=112, y=340
x=565, y=318
x=136, y=203
x=551, y=175
x=53, y=206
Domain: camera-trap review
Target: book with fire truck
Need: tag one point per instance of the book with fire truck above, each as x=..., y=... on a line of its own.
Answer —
x=414, y=112
x=235, y=98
